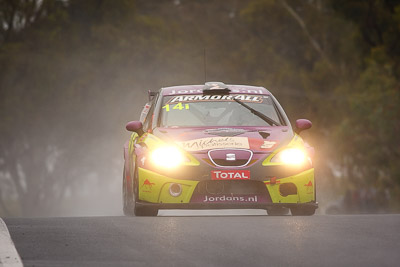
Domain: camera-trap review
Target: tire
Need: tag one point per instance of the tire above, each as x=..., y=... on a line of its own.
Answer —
x=277, y=211
x=302, y=211
x=145, y=211
x=127, y=197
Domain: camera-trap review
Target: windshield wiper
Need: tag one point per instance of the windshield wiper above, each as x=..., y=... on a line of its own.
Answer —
x=259, y=114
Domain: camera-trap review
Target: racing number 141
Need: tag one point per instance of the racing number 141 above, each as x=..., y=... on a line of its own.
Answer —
x=178, y=106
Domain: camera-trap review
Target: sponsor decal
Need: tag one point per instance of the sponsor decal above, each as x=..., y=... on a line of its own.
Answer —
x=230, y=175
x=145, y=111
x=200, y=91
x=260, y=144
x=272, y=181
x=215, y=142
x=231, y=198
x=199, y=98
x=174, y=92
x=268, y=144
x=309, y=184
x=309, y=187
x=147, y=186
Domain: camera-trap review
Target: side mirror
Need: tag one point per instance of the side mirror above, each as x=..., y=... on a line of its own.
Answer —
x=135, y=126
x=302, y=124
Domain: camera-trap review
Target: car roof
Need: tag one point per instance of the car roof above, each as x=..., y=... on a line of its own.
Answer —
x=198, y=89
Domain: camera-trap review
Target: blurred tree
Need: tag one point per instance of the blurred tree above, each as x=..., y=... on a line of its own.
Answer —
x=345, y=78
x=47, y=75
x=371, y=131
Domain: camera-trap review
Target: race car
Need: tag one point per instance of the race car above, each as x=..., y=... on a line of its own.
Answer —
x=217, y=146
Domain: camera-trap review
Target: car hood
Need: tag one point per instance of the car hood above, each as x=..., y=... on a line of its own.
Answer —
x=200, y=140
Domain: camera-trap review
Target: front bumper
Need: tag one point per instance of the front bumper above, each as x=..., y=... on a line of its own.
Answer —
x=198, y=206
x=154, y=191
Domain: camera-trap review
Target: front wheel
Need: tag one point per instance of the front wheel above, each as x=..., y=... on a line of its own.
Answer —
x=302, y=211
x=127, y=197
x=145, y=211
x=277, y=211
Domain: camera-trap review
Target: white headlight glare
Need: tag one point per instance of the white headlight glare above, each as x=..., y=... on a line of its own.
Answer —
x=167, y=157
x=291, y=156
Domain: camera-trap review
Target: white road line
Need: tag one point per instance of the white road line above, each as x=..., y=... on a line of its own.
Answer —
x=9, y=256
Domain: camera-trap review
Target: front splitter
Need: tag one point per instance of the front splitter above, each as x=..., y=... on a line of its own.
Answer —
x=197, y=206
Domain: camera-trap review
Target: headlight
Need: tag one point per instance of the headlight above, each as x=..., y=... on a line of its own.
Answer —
x=292, y=156
x=167, y=157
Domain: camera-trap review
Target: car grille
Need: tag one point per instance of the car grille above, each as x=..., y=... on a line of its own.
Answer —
x=223, y=162
x=230, y=157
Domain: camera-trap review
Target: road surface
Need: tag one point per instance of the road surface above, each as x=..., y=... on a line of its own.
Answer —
x=320, y=240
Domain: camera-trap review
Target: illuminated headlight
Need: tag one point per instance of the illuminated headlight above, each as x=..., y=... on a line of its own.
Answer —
x=167, y=157
x=292, y=156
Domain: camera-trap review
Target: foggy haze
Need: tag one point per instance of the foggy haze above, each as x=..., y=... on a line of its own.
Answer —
x=73, y=73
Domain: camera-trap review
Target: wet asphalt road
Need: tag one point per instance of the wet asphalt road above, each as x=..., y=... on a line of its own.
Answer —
x=320, y=240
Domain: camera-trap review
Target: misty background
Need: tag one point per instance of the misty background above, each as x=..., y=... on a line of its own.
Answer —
x=72, y=73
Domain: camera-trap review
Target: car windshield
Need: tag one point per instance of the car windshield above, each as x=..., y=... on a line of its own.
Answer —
x=215, y=110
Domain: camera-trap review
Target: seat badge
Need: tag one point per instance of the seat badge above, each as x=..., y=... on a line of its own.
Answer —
x=230, y=157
